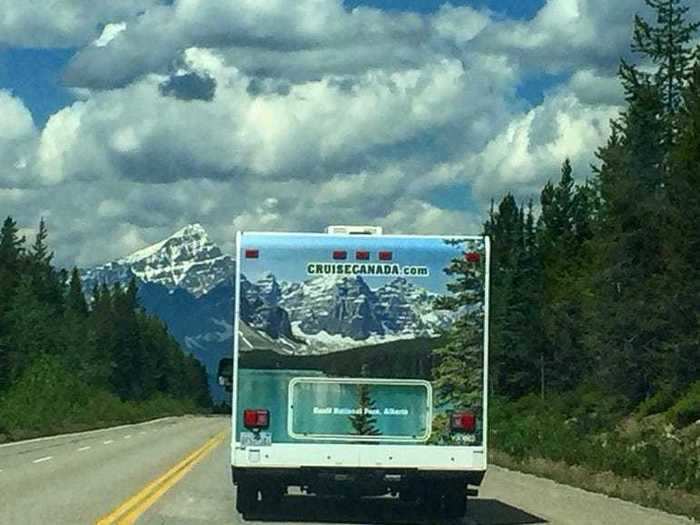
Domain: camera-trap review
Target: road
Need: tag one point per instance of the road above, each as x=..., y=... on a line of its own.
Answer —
x=175, y=472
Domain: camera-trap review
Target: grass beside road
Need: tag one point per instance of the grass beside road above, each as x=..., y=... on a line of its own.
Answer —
x=53, y=403
x=582, y=439
x=642, y=491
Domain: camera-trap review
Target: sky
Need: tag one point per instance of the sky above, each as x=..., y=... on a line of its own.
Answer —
x=121, y=122
x=431, y=253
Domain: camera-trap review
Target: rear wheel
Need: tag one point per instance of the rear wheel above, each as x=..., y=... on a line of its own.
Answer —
x=272, y=494
x=445, y=500
x=432, y=502
x=455, y=500
x=246, y=498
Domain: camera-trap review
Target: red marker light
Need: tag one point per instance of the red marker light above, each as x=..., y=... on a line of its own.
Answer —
x=463, y=421
x=252, y=254
x=256, y=418
x=340, y=255
x=385, y=256
x=362, y=256
x=472, y=257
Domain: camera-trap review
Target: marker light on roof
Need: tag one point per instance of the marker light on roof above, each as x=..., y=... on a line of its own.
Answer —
x=385, y=256
x=340, y=255
x=252, y=254
x=362, y=255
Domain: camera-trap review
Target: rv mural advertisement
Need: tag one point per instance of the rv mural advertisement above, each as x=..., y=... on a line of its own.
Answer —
x=361, y=339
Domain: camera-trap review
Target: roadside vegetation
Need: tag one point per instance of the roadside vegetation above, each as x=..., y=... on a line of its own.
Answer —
x=595, y=314
x=67, y=364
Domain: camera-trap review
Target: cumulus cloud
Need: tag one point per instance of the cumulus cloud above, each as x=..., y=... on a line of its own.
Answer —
x=566, y=34
x=298, y=41
x=532, y=147
x=68, y=23
x=18, y=138
x=266, y=114
x=310, y=130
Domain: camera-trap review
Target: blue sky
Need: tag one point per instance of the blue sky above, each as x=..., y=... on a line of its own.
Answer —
x=274, y=256
x=519, y=9
x=34, y=75
x=124, y=121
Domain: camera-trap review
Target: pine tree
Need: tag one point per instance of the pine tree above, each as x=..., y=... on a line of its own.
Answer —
x=668, y=44
x=31, y=328
x=457, y=373
x=364, y=423
x=630, y=321
x=76, y=298
x=11, y=254
x=683, y=245
x=40, y=251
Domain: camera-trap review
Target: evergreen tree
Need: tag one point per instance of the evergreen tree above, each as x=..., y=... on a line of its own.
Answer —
x=364, y=423
x=632, y=307
x=76, y=298
x=459, y=363
x=669, y=46
x=11, y=253
x=40, y=251
x=32, y=330
x=682, y=351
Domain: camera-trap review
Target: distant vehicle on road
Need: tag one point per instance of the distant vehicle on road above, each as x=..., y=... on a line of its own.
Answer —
x=341, y=374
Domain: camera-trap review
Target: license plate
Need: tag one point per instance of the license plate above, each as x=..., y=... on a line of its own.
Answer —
x=256, y=439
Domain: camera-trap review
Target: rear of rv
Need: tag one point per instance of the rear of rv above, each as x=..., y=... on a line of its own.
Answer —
x=360, y=366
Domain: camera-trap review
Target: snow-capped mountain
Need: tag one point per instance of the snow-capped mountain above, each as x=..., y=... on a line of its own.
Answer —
x=187, y=260
x=187, y=282
x=343, y=311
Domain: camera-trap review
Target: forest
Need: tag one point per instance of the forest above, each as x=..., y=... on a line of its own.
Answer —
x=595, y=311
x=67, y=363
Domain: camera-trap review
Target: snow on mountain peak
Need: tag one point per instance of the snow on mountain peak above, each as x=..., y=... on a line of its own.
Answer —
x=187, y=259
x=193, y=235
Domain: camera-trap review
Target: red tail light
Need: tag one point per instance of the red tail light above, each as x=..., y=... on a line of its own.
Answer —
x=256, y=418
x=472, y=257
x=252, y=254
x=463, y=421
x=385, y=256
x=362, y=256
x=340, y=255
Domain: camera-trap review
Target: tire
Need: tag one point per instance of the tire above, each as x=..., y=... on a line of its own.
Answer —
x=408, y=494
x=272, y=494
x=432, y=501
x=455, y=500
x=246, y=498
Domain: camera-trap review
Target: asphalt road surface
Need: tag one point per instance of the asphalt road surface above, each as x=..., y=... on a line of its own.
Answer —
x=175, y=471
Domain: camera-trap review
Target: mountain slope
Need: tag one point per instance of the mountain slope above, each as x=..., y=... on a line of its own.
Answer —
x=187, y=260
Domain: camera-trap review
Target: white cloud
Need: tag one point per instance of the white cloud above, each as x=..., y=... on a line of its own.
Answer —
x=314, y=131
x=64, y=23
x=18, y=138
x=566, y=35
x=109, y=33
x=313, y=115
x=532, y=147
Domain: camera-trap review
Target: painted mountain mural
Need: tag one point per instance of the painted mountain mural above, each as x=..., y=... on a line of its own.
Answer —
x=187, y=281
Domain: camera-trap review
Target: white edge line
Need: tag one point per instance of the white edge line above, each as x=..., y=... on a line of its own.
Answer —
x=108, y=442
x=82, y=449
x=86, y=433
x=127, y=436
x=41, y=460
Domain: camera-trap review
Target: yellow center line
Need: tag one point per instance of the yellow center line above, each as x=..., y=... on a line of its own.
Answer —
x=129, y=511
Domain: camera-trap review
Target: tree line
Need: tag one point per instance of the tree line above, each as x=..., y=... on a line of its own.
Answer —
x=601, y=287
x=108, y=344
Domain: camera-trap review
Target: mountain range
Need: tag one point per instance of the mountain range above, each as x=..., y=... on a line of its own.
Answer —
x=187, y=281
